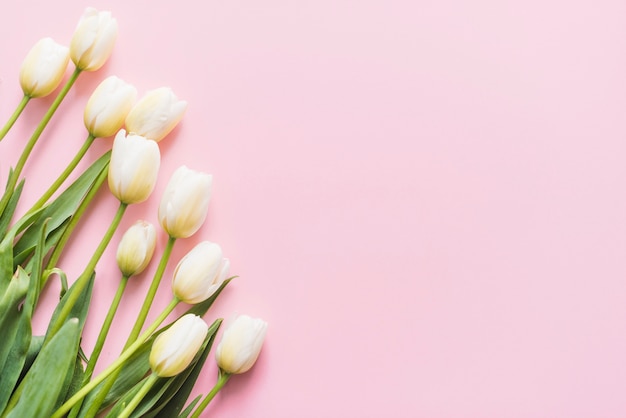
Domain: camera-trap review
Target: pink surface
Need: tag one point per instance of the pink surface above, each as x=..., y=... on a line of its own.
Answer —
x=425, y=199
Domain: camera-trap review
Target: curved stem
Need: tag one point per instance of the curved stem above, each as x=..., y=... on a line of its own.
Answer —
x=64, y=175
x=83, y=279
x=126, y=354
x=33, y=139
x=221, y=381
x=58, y=249
x=16, y=114
x=145, y=388
x=154, y=286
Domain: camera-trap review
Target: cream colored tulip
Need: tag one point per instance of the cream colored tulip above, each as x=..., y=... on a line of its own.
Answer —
x=200, y=273
x=133, y=168
x=108, y=106
x=241, y=344
x=136, y=248
x=43, y=68
x=93, y=39
x=174, y=349
x=185, y=202
x=156, y=114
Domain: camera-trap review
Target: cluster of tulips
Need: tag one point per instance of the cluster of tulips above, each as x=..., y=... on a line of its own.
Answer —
x=48, y=375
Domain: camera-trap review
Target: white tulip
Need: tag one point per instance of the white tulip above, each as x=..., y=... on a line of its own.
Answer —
x=133, y=168
x=200, y=273
x=156, y=114
x=185, y=202
x=108, y=106
x=136, y=248
x=174, y=349
x=241, y=344
x=43, y=68
x=93, y=39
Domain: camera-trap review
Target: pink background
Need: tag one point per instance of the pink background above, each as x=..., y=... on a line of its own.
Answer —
x=425, y=199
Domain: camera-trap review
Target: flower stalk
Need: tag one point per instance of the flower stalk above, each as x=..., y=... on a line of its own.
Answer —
x=63, y=176
x=16, y=114
x=145, y=388
x=150, y=295
x=221, y=381
x=13, y=179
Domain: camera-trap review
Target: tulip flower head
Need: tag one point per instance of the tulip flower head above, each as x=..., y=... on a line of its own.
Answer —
x=93, y=39
x=134, y=167
x=108, y=106
x=200, y=273
x=185, y=202
x=43, y=68
x=241, y=344
x=174, y=349
x=136, y=248
x=156, y=114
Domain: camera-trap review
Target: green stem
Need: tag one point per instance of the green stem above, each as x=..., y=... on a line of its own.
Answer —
x=145, y=388
x=64, y=175
x=58, y=248
x=95, y=354
x=33, y=139
x=126, y=354
x=83, y=279
x=16, y=114
x=105, y=328
x=154, y=286
x=221, y=381
x=141, y=319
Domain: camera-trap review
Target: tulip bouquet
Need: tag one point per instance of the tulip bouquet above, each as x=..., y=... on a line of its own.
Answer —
x=49, y=375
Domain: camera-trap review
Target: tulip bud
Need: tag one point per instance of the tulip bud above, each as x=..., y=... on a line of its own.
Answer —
x=174, y=349
x=93, y=39
x=200, y=273
x=43, y=68
x=185, y=202
x=241, y=344
x=133, y=168
x=136, y=247
x=156, y=114
x=108, y=106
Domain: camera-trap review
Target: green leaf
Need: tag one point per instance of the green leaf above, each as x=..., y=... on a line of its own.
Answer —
x=43, y=383
x=74, y=383
x=80, y=308
x=201, y=308
x=9, y=312
x=51, y=240
x=36, y=272
x=187, y=410
x=7, y=215
x=22, y=351
x=17, y=364
x=23, y=347
x=34, y=347
x=63, y=207
x=6, y=262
